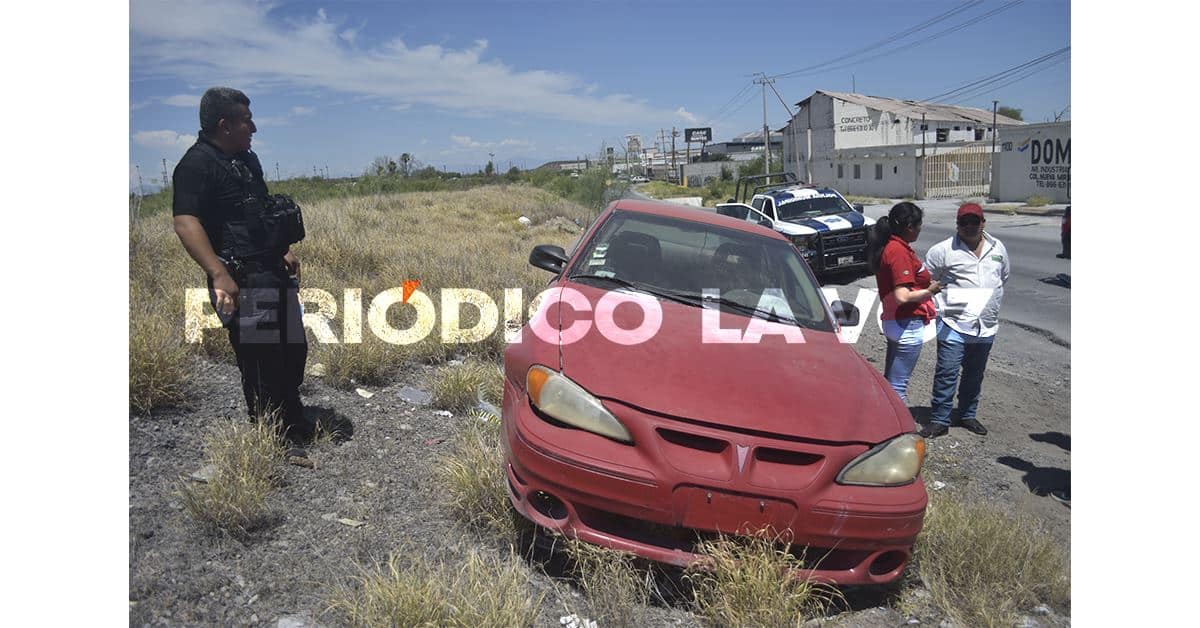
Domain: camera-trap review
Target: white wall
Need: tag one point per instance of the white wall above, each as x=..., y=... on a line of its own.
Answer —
x=897, y=169
x=1034, y=159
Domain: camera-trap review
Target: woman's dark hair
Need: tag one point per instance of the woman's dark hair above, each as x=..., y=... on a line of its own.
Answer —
x=902, y=216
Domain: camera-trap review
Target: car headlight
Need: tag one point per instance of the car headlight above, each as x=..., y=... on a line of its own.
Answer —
x=559, y=397
x=893, y=463
x=807, y=244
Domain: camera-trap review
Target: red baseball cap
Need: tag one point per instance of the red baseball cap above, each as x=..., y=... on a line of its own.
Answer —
x=970, y=209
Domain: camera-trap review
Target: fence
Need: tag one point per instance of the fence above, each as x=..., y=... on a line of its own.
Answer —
x=959, y=172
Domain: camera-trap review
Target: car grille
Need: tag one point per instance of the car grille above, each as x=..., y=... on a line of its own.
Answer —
x=840, y=244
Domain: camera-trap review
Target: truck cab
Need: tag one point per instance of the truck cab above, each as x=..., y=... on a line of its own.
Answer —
x=829, y=232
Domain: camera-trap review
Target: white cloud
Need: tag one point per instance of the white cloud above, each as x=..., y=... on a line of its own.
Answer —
x=349, y=35
x=465, y=141
x=191, y=41
x=164, y=140
x=182, y=100
x=687, y=115
x=302, y=111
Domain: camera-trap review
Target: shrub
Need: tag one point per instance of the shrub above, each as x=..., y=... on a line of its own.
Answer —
x=1037, y=201
x=246, y=457
x=982, y=564
x=459, y=388
x=753, y=581
x=410, y=591
x=472, y=476
x=615, y=588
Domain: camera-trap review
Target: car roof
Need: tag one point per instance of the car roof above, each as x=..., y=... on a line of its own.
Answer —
x=694, y=214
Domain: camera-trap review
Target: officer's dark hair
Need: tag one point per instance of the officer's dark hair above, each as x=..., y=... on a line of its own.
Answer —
x=902, y=216
x=217, y=103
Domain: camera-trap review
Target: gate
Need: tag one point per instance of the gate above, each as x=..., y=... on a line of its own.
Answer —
x=958, y=172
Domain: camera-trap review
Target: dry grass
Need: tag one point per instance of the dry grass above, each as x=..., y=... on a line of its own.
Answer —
x=479, y=591
x=461, y=387
x=467, y=239
x=1037, y=201
x=472, y=476
x=751, y=581
x=615, y=588
x=983, y=565
x=247, y=458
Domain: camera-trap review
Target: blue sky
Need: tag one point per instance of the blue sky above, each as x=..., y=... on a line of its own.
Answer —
x=335, y=84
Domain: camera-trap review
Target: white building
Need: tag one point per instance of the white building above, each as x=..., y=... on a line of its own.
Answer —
x=869, y=145
x=1033, y=160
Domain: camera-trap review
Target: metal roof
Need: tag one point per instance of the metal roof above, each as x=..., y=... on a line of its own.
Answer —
x=914, y=109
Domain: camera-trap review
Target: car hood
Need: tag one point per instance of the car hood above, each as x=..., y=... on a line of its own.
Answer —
x=821, y=224
x=820, y=389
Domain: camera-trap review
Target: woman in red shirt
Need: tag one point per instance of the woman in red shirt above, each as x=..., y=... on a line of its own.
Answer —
x=906, y=290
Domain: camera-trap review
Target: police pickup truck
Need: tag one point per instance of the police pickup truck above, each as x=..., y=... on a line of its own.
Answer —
x=830, y=233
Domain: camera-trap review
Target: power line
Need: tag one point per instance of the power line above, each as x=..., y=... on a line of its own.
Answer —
x=717, y=114
x=913, y=44
x=887, y=40
x=999, y=76
x=985, y=89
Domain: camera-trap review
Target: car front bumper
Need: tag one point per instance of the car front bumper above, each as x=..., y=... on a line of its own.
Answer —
x=682, y=483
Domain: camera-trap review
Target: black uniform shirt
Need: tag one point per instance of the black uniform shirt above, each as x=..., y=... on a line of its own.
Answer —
x=210, y=184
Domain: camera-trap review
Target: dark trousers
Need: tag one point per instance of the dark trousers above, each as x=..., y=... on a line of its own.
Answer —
x=268, y=339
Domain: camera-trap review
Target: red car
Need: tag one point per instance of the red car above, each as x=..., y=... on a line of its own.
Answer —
x=683, y=378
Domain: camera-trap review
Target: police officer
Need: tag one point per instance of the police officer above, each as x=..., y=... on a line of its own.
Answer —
x=253, y=277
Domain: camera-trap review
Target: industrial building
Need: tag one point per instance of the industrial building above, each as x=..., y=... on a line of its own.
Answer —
x=875, y=146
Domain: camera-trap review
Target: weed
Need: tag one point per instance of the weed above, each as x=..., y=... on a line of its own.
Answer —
x=472, y=476
x=246, y=457
x=459, y=388
x=615, y=587
x=982, y=564
x=482, y=591
x=1037, y=201
x=754, y=581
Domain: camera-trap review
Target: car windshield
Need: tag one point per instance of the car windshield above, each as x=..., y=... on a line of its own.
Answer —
x=703, y=265
x=821, y=205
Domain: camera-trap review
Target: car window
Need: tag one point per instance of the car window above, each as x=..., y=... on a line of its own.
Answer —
x=757, y=203
x=674, y=256
x=814, y=206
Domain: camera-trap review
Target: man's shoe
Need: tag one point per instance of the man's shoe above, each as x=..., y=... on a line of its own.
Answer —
x=975, y=427
x=1062, y=497
x=933, y=430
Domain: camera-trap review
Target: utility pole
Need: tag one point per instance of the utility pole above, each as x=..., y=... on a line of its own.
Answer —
x=994, y=103
x=277, y=171
x=165, y=179
x=492, y=160
x=764, y=81
x=674, y=134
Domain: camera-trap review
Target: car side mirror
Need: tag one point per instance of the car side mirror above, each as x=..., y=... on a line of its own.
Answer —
x=548, y=257
x=845, y=313
x=858, y=207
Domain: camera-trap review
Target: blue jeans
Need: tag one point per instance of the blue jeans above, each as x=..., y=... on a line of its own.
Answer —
x=904, y=340
x=958, y=352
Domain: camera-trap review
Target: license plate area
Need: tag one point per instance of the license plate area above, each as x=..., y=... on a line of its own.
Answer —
x=710, y=509
x=845, y=259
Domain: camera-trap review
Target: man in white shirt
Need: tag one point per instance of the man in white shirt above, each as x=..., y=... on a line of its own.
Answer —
x=973, y=267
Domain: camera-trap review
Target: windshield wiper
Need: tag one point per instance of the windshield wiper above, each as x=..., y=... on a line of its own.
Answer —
x=624, y=283
x=699, y=299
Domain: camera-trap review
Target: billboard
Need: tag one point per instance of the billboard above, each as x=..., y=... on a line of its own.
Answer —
x=701, y=135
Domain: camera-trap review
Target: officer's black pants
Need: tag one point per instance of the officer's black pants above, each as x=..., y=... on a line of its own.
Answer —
x=270, y=355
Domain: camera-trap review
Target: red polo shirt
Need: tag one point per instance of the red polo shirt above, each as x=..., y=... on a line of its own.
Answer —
x=899, y=266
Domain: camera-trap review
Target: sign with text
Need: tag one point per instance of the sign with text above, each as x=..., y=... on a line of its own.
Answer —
x=701, y=135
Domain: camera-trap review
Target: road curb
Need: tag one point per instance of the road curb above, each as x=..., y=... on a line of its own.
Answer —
x=1025, y=211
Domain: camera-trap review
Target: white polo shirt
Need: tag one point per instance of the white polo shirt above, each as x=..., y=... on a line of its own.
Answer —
x=972, y=287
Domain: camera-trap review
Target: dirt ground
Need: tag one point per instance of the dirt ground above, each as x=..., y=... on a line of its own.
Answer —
x=382, y=476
